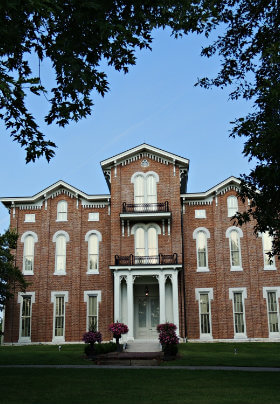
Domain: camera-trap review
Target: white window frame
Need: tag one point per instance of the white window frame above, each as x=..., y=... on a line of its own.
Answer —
x=54, y=295
x=58, y=211
x=200, y=214
x=60, y=233
x=275, y=289
x=21, y=295
x=29, y=218
x=243, y=291
x=266, y=267
x=240, y=234
x=235, y=208
x=146, y=228
x=87, y=294
x=35, y=240
x=144, y=176
x=209, y=292
x=99, y=238
x=93, y=217
x=195, y=237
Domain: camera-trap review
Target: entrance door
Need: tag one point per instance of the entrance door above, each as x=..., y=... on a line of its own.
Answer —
x=147, y=317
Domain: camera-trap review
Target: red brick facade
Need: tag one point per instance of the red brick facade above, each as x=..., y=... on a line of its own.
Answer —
x=218, y=279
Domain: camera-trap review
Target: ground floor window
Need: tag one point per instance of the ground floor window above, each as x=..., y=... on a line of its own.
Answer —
x=92, y=299
x=25, y=301
x=237, y=295
x=204, y=297
x=59, y=299
x=272, y=294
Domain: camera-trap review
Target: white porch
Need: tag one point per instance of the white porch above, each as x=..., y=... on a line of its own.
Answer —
x=144, y=298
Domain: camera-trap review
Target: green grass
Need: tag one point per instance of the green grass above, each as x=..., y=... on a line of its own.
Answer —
x=248, y=354
x=40, y=386
x=215, y=354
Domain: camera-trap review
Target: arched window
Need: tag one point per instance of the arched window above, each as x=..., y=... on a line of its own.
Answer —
x=269, y=262
x=93, y=237
x=60, y=239
x=146, y=243
x=232, y=205
x=29, y=239
x=145, y=190
x=201, y=235
x=234, y=234
x=62, y=211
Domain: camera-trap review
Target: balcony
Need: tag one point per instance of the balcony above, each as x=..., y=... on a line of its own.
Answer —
x=160, y=259
x=145, y=211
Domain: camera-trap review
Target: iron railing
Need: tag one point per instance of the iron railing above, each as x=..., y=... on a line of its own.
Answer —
x=145, y=207
x=160, y=259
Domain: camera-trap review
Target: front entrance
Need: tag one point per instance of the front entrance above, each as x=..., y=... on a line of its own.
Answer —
x=146, y=311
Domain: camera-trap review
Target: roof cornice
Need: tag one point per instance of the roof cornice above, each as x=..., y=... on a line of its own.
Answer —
x=217, y=189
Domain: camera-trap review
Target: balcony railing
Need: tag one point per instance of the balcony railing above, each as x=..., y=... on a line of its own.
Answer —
x=145, y=207
x=160, y=259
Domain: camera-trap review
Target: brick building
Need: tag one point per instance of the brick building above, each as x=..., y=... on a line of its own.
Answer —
x=145, y=253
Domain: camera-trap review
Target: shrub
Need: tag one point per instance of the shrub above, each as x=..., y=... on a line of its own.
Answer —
x=91, y=337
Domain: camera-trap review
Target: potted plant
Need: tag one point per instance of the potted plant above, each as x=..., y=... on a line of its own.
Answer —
x=168, y=339
x=91, y=337
x=118, y=329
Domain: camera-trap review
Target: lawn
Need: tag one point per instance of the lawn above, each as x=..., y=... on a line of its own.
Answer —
x=247, y=354
x=135, y=386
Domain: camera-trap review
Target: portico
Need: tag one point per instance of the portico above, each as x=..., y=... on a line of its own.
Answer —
x=146, y=297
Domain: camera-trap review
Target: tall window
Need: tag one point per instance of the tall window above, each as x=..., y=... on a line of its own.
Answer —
x=93, y=237
x=271, y=294
x=26, y=301
x=59, y=299
x=200, y=235
x=29, y=239
x=234, y=234
x=60, y=238
x=232, y=205
x=62, y=211
x=237, y=296
x=204, y=297
x=92, y=298
x=145, y=189
x=269, y=262
x=146, y=243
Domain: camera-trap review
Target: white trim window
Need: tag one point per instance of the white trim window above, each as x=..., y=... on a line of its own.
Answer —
x=145, y=189
x=93, y=238
x=146, y=243
x=232, y=205
x=233, y=234
x=272, y=294
x=29, y=218
x=62, y=207
x=201, y=234
x=60, y=239
x=238, y=296
x=25, y=300
x=92, y=298
x=59, y=300
x=269, y=262
x=29, y=239
x=204, y=297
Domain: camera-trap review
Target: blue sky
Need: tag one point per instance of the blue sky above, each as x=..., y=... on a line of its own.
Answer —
x=155, y=103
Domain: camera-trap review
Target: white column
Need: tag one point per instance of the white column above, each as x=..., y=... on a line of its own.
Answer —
x=161, y=281
x=130, y=306
x=116, y=296
x=175, y=298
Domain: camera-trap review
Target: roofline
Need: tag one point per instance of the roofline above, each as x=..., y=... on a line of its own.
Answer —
x=212, y=190
x=60, y=183
x=127, y=153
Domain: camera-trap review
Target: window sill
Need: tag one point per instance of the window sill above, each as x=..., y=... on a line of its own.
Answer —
x=206, y=337
x=27, y=273
x=59, y=273
x=203, y=269
x=92, y=272
x=57, y=220
x=24, y=340
x=58, y=340
x=240, y=336
x=236, y=269
x=270, y=268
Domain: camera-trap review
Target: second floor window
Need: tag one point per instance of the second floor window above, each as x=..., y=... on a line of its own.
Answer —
x=146, y=243
x=269, y=262
x=201, y=234
x=234, y=234
x=145, y=189
x=60, y=239
x=28, y=239
x=232, y=205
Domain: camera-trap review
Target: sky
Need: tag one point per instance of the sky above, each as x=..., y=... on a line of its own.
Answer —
x=155, y=103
